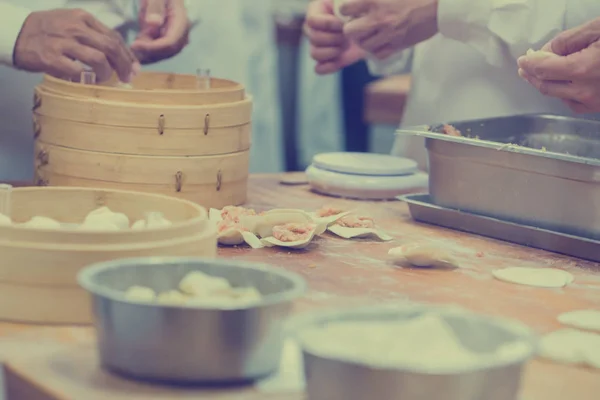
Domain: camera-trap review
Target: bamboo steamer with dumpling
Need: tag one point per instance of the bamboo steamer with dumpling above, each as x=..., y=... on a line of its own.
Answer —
x=163, y=135
x=39, y=268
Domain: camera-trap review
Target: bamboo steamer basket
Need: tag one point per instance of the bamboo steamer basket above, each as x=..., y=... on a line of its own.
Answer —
x=38, y=276
x=164, y=136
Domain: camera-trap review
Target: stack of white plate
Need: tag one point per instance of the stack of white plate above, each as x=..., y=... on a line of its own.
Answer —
x=364, y=176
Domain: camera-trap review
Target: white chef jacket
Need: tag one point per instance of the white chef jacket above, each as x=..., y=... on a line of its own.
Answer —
x=237, y=42
x=468, y=70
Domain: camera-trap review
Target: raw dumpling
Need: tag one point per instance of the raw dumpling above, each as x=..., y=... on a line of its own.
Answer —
x=4, y=220
x=140, y=293
x=262, y=225
x=424, y=256
x=172, y=297
x=570, y=346
x=42, y=223
x=230, y=298
x=353, y=226
x=538, y=277
x=293, y=235
x=104, y=213
x=200, y=284
x=230, y=233
x=581, y=319
x=329, y=215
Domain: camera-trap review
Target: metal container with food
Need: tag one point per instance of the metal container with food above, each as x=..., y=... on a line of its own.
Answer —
x=342, y=362
x=189, y=343
x=539, y=170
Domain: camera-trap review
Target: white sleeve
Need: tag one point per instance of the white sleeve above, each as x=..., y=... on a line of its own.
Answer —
x=13, y=20
x=503, y=30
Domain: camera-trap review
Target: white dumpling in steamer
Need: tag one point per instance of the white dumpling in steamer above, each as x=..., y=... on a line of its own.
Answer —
x=105, y=214
x=156, y=219
x=4, y=220
x=199, y=284
x=139, y=225
x=42, y=223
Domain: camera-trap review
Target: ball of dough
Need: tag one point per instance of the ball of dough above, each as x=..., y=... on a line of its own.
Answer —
x=140, y=293
x=42, y=223
x=119, y=219
x=4, y=220
x=424, y=256
x=172, y=297
x=200, y=284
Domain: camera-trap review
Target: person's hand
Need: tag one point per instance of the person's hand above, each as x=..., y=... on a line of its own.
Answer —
x=570, y=70
x=62, y=42
x=384, y=27
x=328, y=46
x=164, y=30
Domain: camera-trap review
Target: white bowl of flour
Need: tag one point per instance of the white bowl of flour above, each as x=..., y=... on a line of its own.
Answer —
x=413, y=353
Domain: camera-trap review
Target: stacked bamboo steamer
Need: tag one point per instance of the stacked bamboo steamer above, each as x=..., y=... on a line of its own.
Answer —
x=38, y=272
x=164, y=136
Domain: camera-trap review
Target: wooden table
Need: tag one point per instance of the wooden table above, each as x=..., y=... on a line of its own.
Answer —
x=50, y=363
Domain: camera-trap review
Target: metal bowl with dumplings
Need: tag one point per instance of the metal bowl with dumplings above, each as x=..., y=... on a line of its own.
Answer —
x=185, y=343
x=340, y=374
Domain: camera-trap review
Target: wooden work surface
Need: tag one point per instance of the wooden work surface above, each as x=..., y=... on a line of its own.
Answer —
x=50, y=363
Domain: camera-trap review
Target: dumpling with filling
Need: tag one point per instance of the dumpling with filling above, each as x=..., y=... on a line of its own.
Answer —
x=354, y=226
x=42, y=223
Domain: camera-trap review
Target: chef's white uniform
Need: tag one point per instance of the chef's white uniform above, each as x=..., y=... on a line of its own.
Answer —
x=237, y=41
x=16, y=134
x=468, y=70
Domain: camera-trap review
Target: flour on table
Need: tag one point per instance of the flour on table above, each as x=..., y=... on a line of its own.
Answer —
x=581, y=319
x=422, y=343
x=570, y=346
x=538, y=277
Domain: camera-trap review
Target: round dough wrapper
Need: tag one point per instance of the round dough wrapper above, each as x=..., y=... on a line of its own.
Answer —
x=581, y=319
x=537, y=277
x=570, y=346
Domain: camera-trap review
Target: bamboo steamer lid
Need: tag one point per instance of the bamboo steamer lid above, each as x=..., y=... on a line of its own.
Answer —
x=143, y=141
x=155, y=116
x=152, y=88
x=214, y=181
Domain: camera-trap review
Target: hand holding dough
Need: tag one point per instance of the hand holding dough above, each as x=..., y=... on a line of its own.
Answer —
x=538, y=277
x=423, y=256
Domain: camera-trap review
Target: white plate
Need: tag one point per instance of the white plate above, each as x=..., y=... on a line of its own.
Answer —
x=361, y=186
x=365, y=164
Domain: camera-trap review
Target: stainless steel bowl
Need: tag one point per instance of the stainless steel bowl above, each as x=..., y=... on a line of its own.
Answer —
x=341, y=378
x=188, y=344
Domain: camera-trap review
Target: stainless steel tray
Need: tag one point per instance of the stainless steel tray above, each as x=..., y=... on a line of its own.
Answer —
x=539, y=170
x=422, y=209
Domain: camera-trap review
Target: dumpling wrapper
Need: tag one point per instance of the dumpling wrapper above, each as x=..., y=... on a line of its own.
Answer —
x=42, y=223
x=537, y=277
x=232, y=236
x=298, y=244
x=329, y=220
x=355, y=233
x=588, y=320
x=423, y=256
x=570, y=346
x=262, y=225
